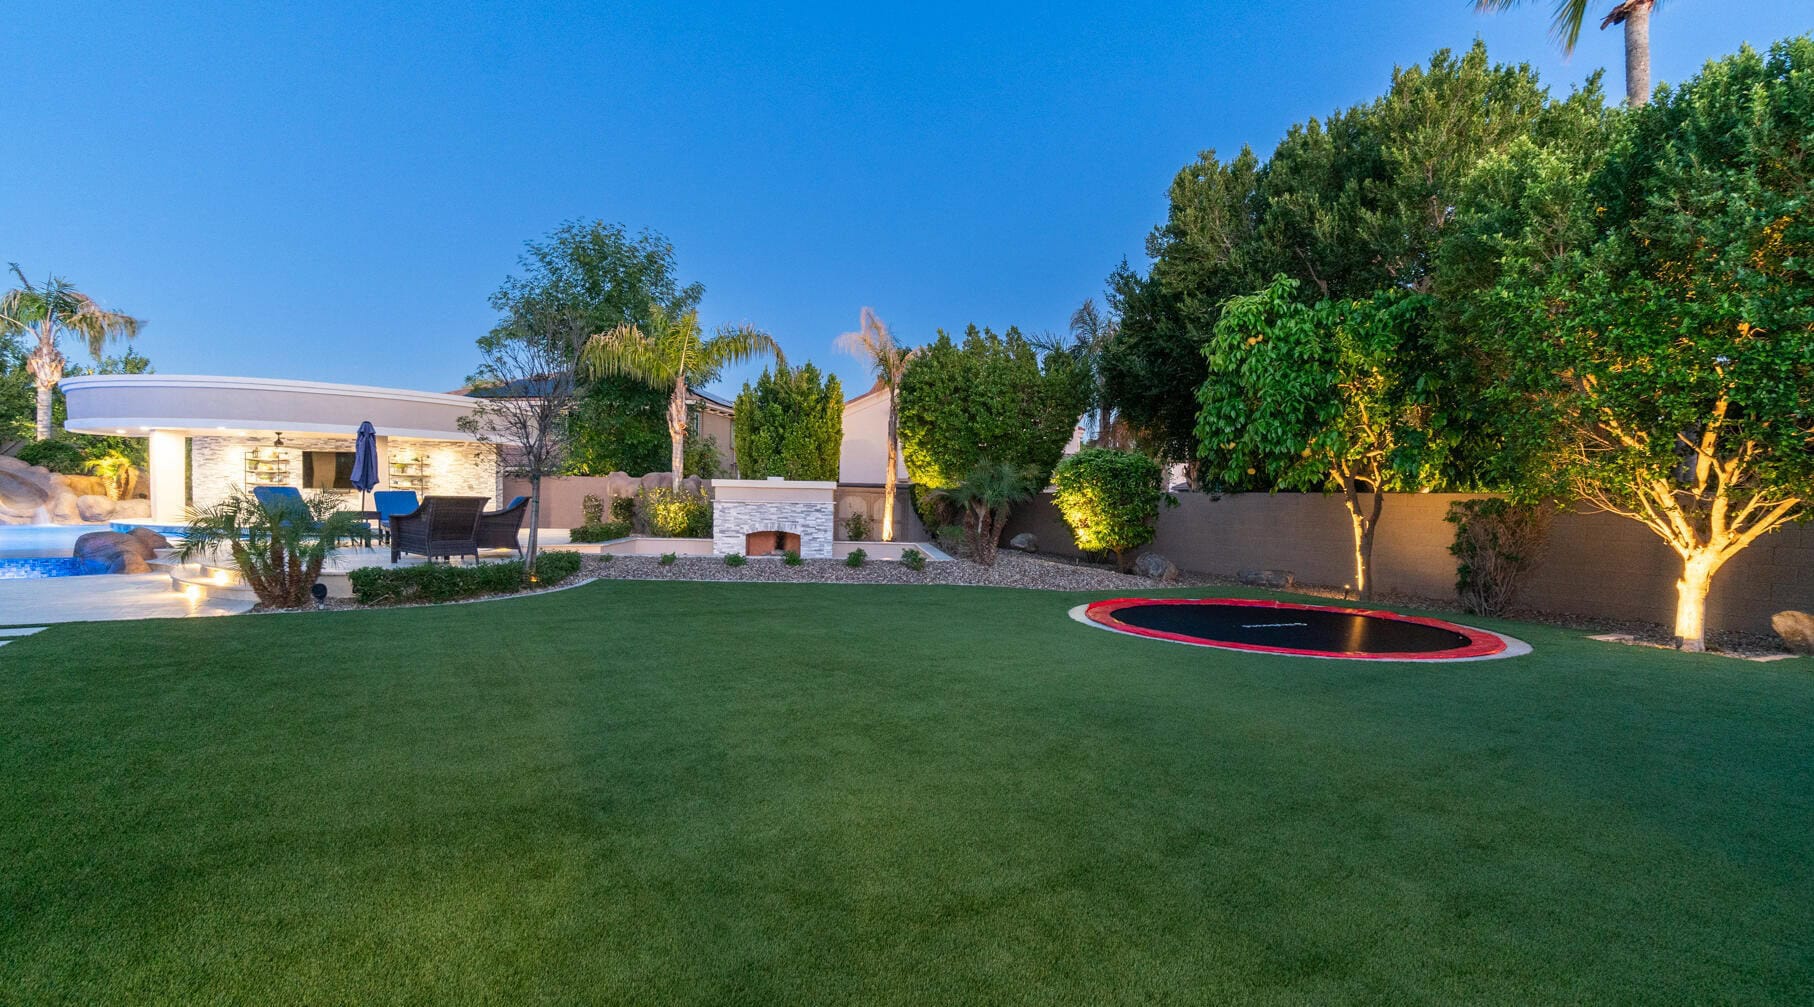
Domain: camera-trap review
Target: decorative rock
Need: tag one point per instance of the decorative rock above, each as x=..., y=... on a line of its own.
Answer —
x=95, y=508
x=150, y=539
x=24, y=489
x=1280, y=579
x=1026, y=541
x=135, y=508
x=118, y=551
x=1796, y=630
x=83, y=486
x=1155, y=566
x=656, y=480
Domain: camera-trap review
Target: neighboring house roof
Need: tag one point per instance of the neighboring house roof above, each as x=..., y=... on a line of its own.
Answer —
x=530, y=387
x=877, y=389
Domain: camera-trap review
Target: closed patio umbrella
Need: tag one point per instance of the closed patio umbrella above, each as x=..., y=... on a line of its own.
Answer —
x=365, y=461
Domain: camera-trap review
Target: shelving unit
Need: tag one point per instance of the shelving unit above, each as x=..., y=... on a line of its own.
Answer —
x=409, y=474
x=267, y=467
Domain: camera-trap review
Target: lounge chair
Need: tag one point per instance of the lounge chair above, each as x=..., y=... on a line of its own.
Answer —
x=276, y=498
x=441, y=527
x=390, y=503
x=498, y=529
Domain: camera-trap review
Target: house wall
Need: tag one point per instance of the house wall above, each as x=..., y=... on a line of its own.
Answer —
x=455, y=468
x=1595, y=565
x=863, y=455
x=718, y=427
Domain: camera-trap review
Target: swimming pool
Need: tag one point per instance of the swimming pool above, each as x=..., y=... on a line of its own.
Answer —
x=32, y=551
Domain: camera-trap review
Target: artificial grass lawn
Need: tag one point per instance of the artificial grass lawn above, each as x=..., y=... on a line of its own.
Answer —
x=659, y=792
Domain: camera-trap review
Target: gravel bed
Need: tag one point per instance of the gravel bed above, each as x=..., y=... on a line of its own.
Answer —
x=1011, y=569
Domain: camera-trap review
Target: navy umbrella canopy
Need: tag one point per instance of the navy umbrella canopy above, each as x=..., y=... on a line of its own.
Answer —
x=365, y=461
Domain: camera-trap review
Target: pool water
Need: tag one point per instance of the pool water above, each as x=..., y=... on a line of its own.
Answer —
x=32, y=551
x=36, y=567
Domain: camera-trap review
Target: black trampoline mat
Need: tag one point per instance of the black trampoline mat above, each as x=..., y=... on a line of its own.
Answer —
x=1309, y=629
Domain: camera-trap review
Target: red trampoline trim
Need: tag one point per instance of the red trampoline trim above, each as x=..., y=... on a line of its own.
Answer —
x=1480, y=642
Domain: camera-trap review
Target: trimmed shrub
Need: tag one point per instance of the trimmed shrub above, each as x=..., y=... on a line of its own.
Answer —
x=592, y=509
x=375, y=585
x=623, y=509
x=734, y=559
x=856, y=528
x=554, y=567
x=669, y=513
x=913, y=559
x=1496, y=543
x=1110, y=499
x=856, y=558
x=599, y=532
x=792, y=558
x=667, y=559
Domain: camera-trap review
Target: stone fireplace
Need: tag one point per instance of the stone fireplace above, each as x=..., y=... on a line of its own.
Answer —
x=763, y=517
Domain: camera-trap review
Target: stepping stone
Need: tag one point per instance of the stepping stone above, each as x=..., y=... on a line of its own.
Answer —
x=22, y=631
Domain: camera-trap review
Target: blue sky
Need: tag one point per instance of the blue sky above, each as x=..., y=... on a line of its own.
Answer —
x=331, y=193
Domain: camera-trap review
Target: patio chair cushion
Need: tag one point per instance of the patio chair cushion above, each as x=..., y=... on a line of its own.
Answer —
x=390, y=503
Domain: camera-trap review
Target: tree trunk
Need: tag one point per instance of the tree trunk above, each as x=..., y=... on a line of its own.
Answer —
x=677, y=430
x=1637, y=55
x=1364, y=526
x=1691, y=599
x=43, y=429
x=535, y=516
x=888, y=476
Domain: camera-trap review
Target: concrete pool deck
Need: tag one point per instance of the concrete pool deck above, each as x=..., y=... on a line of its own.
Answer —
x=104, y=598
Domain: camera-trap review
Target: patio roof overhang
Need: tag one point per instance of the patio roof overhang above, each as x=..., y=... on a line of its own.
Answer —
x=135, y=405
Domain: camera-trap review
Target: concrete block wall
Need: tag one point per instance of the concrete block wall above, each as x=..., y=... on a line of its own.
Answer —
x=1596, y=564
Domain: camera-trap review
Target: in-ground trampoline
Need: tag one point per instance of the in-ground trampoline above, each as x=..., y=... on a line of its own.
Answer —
x=1277, y=627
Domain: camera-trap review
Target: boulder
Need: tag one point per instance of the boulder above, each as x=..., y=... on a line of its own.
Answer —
x=621, y=484
x=94, y=508
x=656, y=480
x=1155, y=566
x=117, y=551
x=692, y=484
x=1278, y=579
x=1026, y=541
x=83, y=486
x=138, y=507
x=1796, y=630
x=24, y=489
x=63, y=509
x=150, y=539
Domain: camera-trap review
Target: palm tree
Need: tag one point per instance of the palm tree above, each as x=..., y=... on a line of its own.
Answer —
x=984, y=497
x=47, y=311
x=875, y=344
x=672, y=352
x=1634, y=15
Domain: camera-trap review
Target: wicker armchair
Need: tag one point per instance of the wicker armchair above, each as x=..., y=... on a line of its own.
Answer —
x=498, y=529
x=441, y=527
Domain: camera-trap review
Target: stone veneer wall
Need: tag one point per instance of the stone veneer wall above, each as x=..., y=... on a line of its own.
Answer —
x=455, y=468
x=734, y=519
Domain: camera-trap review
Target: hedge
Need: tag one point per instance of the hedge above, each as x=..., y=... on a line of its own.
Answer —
x=374, y=585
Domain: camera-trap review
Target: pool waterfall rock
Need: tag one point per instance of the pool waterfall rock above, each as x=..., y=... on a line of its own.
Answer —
x=121, y=552
x=32, y=494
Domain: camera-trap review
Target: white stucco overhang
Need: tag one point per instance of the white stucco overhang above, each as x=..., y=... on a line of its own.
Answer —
x=202, y=405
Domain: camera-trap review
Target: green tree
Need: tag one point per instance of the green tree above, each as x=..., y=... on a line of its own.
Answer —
x=1657, y=308
x=992, y=397
x=1110, y=499
x=1634, y=15
x=618, y=425
x=45, y=313
x=604, y=276
x=1359, y=202
x=671, y=352
x=873, y=342
x=790, y=423
x=1322, y=396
